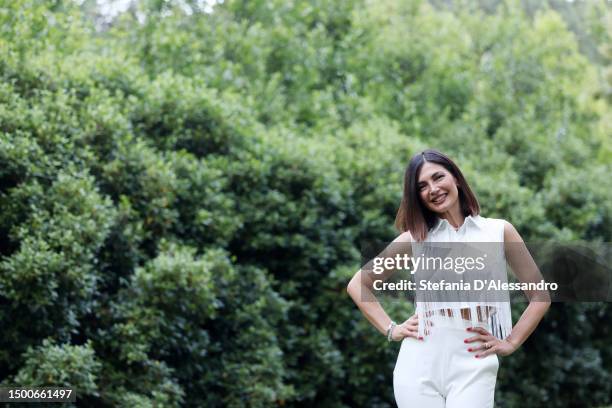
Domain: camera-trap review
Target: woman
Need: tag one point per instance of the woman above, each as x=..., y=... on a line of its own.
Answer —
x=448, y=355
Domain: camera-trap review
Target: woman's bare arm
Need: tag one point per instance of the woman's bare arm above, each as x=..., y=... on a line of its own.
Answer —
x=526, y=270
x=359, y=288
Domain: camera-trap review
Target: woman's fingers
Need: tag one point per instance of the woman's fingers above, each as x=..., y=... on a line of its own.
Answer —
x=494, y=348
x=408, y=330
x=410, y=322
x=414, y=320
x=479, y=347
x=478, y=337
x=479, y=330
x=404, y=330
x=486, y=346
x=412, y=327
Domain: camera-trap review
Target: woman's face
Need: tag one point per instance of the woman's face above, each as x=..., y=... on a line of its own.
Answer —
x=437, y=188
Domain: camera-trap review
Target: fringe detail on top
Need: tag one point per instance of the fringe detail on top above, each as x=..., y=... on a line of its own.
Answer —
x=485, y=309
x=493, y=316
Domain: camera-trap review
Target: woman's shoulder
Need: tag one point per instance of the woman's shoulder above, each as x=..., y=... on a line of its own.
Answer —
x=509, y=231
x=492, y=221
x=404, y=237
x=499, y=221
x=490, y=229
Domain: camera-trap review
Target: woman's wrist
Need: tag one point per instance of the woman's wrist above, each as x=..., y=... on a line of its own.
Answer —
x=513, y=342
x=390, y=330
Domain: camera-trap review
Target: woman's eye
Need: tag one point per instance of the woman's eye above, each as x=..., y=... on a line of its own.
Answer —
x=439, y=177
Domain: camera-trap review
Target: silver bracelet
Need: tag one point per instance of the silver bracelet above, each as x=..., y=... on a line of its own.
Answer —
x=390, y=330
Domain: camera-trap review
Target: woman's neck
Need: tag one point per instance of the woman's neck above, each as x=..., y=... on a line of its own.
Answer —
x=454, y=217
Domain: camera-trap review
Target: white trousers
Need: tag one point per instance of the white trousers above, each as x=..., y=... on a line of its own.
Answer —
x=440, y=372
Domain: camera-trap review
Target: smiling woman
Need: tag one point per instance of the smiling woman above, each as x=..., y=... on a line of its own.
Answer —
x=439, y=187
x=435, y=367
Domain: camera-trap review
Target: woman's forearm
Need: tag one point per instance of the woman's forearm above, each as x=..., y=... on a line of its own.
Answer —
x=526, y=270
x=528, y=322
x=368, y=304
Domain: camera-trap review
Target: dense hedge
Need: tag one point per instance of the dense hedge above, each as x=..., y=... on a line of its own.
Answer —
x=183, y=194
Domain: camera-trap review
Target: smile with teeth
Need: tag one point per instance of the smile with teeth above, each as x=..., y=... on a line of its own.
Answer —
x=439, y=199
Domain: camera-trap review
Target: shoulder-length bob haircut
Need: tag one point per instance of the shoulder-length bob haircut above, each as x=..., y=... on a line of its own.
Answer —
x=413, y=215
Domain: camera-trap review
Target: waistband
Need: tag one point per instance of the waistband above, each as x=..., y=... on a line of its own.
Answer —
x=455, y=323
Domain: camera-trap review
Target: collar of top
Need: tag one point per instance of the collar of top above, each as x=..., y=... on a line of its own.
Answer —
x=475, y=220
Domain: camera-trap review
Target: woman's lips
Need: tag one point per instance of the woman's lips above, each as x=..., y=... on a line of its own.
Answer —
x=440, y=199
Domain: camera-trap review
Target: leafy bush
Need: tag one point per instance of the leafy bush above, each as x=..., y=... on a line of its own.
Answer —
x=183, y=194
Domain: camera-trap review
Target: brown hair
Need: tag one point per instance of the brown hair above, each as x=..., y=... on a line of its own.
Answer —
x=413, y=215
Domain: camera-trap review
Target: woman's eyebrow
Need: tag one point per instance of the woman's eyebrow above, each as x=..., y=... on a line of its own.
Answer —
x=433, y=175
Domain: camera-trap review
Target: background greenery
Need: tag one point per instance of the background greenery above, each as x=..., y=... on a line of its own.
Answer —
x=183, y=193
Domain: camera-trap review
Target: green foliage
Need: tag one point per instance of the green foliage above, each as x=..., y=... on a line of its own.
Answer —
x=183, y=194
x=64, y=365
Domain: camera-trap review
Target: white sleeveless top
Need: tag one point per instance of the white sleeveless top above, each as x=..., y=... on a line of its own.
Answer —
x=492, y=314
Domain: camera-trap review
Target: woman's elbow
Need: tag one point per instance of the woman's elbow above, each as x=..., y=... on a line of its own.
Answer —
x=545, y=305
x=351, y=287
